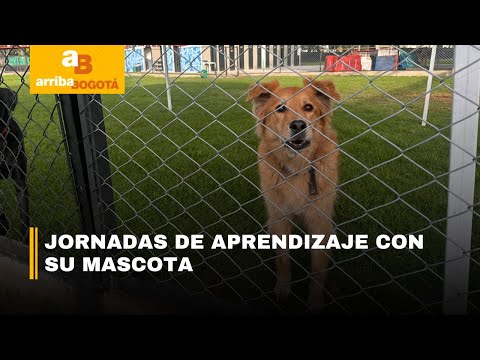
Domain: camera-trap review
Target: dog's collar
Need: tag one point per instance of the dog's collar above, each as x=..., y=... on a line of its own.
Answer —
x=312, y=181
x=5, y=132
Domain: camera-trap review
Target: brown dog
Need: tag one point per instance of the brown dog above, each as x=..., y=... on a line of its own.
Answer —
x=298, y=165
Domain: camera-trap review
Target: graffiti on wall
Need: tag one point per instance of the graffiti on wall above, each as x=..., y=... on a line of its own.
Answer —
x=134, y=59
x=190, y=59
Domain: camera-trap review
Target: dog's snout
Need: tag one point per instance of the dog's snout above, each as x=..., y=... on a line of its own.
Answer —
x=298, y=125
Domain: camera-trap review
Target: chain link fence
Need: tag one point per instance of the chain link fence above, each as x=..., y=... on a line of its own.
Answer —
x=181, y=157
x=32, y=125
x=235, y=60
x=14, y=59
x=376, y=57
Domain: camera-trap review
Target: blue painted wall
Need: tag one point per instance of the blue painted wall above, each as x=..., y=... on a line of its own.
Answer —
x=190, y=60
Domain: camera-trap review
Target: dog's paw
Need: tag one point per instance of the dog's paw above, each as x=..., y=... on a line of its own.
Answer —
x=282, y=290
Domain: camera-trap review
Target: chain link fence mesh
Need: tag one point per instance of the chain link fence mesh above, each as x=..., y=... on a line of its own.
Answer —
x=409, y=57
x=52, y=201
x=192, y=168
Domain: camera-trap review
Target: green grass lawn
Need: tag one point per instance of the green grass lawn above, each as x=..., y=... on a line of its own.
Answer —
x=195, y=172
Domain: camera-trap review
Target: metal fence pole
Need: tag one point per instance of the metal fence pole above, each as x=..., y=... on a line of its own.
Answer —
x=429, y=85
x=76, y=154
x=237, y=47
x=463, y=150
x=280, y=57
x=98, y=165
x=88, y=152
x=217, y=60
x=86, y=144
x=225, y=60
x=263, y=57
x=292, y=56
x=320, y=53
x=167, y=77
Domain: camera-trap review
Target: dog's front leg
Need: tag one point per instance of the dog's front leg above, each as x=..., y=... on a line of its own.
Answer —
x=318, y=224
x=280, y=225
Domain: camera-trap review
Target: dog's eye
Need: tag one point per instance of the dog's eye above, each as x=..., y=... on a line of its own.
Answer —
x=308, y=107
x=281, y=108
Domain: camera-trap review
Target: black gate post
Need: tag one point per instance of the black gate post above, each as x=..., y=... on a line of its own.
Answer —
x=87, y=149
x=98, y=165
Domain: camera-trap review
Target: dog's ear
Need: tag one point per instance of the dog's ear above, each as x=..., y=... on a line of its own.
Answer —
x=324, y=89
x=262, y=92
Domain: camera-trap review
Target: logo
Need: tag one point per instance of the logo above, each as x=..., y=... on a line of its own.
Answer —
x=77, y=69
x=81, y=63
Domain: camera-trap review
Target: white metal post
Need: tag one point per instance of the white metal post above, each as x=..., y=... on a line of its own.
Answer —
x=225, y=59
x=217, y=59
x=320, y=53
x=167, y=77
x=292, y=56
x=463, y=150
x=429, y=85
x=263, y=57
x=237, y=47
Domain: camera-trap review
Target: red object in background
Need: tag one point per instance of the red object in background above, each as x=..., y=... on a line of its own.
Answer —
x=356, y=60
x=330, y=60
x=349, y=63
